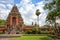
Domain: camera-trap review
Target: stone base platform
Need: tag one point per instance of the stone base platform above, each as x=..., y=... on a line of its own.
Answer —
x=10, y=35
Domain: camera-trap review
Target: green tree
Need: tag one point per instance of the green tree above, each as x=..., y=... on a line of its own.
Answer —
x=38, y=13
x=54, y=11
x=2, y=22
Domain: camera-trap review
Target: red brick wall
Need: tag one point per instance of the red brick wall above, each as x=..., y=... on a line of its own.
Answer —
x=2, y=28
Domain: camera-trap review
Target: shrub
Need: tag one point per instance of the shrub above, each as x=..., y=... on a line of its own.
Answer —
x=51, y=31
x=39, y=32
x=44, y=32
x=28, y=32
x=35, y=30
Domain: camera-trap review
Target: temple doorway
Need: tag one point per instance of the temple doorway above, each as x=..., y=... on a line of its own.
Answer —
x=14, y=21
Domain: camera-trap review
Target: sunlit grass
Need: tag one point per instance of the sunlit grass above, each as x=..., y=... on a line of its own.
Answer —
x=32, y=38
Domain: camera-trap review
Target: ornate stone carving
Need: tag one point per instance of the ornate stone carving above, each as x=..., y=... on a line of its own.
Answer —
x=14, y=17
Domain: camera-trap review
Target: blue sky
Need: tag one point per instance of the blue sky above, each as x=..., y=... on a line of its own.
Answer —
x=17, y=1
x=33, y=1
x=36, y=1
x=27, y=9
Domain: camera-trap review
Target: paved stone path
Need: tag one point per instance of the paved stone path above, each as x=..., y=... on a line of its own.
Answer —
x=8, y=36
x=4, y=38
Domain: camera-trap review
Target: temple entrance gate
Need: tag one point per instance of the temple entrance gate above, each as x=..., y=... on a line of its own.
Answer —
x=14, y=21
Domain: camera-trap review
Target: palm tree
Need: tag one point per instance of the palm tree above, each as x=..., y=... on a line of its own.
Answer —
x=37, y=13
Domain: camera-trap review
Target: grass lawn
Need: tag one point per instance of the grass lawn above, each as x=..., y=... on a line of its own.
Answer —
x=32, y=38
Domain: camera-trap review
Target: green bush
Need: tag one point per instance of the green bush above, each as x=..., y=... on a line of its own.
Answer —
x=51, y=31
x=35, y=30
x=44, y=32
x=39, y=32
x=28, y=32
x=2, y=22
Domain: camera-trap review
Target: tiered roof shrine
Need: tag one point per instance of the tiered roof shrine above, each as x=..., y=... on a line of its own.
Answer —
x=14, y=21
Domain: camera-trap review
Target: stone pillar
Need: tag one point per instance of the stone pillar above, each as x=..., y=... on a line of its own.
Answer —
x=10, y=20
x=16, y=20
x=21, y=25
x=6, y=25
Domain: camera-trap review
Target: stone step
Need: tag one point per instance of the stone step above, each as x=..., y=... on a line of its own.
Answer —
x=10, y=35
x=13, y=30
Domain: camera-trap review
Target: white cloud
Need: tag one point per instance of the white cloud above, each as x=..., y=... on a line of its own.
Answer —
x=40, y=6
x=4, y=14
x=7, y=1
x=27, y=10
x=2, y=6
x=9, y=6
x=5, y=7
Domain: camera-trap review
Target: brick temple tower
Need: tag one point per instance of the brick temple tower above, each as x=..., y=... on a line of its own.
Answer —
x=14, y=21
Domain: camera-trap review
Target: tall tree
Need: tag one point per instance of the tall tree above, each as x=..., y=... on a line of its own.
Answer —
x=38, y=13
x=54, y=11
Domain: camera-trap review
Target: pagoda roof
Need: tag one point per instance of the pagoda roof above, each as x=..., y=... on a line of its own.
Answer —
x=14, y=9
